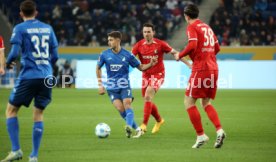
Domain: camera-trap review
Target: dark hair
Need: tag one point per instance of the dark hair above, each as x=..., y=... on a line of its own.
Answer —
x=115, y=34
x=149, y=25
x=192, y=11
x=28, y=8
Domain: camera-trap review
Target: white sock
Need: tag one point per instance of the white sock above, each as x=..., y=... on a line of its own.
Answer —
x=220, y=131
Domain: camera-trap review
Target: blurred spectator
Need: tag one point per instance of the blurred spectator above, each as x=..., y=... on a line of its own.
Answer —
x=66, y=75
x=249, y=22
x=94, y=42
x=57, y=12
x=73, y=20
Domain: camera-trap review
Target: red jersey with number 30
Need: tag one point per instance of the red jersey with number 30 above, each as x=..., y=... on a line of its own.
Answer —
x=204, y=57
x=1, y=43
x=156, y=49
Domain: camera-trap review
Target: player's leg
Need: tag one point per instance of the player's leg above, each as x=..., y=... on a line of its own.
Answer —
x=211, y=112
x=194, y=91
x=116, y=99
x=156, y=84
x=22, y=94
x=13, y=131
x=127, y=98
x=42, y=99
x=129, y=115
x=149, y=94
x=194, y=114
x=153, y=110
x=38, y=129
x=195, y=119
x=214, y=118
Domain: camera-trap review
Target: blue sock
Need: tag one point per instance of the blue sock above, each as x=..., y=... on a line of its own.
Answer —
x=134, y=125
x=37, y=135
x=129, y=117
x=123, y=115
x=13, y=129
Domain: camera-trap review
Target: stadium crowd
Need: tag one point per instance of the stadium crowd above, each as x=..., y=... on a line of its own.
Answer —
x=86, y=22
x=245, y=22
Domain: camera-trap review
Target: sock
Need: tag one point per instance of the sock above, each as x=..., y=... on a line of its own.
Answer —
x=13, y=130
x=147, y=112
x=37, y=135
x=155, y=113
x=129, y=117
x=123, y=115
x=195, y=119
x=213, y=116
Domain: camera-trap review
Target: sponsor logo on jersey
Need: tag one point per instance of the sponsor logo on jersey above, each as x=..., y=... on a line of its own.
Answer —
x=115, y=67
x=149, y=57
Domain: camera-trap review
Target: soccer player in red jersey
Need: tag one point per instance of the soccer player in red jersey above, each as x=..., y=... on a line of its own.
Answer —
x=202, y=49
x=153, y=78
x=2, y=57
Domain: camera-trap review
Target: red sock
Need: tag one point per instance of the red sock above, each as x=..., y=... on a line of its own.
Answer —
x=155, y=113
x=213, y=116
x=147, y=112
x=195, y=119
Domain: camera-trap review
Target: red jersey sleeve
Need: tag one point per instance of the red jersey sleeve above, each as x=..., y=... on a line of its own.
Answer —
x=192, y=42
x=191, y=33
x=217, y=47
x=135, y=50
x=166, y=47
x=1, y=43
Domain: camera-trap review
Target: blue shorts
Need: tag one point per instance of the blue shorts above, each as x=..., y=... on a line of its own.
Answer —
x=25, y=90
x=120, y=94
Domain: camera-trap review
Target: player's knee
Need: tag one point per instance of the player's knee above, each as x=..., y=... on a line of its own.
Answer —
x=11, y=111
x=127, y=105
x=38, y=115
x=147, y=98
x=205, y=102
x=188, y=103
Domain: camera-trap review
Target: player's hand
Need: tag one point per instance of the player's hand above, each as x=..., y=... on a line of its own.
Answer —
x=2, y=71
x=101, y=90
x=176, y=56
x=153, y=61
x=11, y=65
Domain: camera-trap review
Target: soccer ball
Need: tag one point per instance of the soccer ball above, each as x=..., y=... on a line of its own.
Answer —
x=102, y=130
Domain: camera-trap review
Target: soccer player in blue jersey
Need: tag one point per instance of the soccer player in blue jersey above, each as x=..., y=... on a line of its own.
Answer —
x=117, y=61
x=39, y=46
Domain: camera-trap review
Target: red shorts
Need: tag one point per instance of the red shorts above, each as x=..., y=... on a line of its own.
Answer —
x=153, y=80
x=202, y=84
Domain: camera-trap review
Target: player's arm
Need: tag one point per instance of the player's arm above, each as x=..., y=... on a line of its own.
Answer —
x=217, y=47
x=101, y=89
x=2, y=61
x=192, y=43
x=13, y=55
x=100, y=63
x=54, y=48
x=143, y=67
x=190, y=48
x=184, y=60
x=54, y=55
x=16, y=41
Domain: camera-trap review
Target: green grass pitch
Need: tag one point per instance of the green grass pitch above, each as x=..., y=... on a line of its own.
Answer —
x=248, y=117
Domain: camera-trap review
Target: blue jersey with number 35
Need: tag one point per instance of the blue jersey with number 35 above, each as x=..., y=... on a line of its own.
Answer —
x=37, y=40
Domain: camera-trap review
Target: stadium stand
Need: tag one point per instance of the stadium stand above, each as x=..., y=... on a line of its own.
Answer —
x=86, y=22
x=245, y=22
